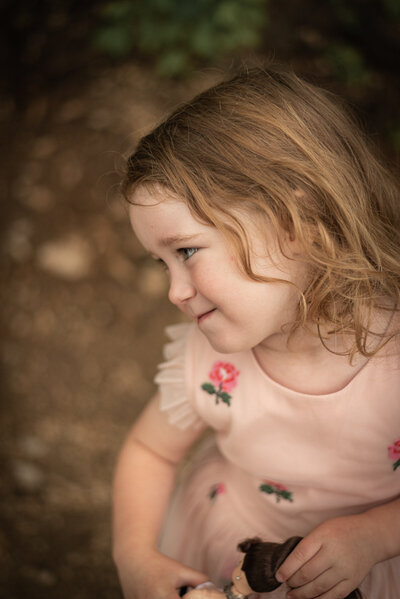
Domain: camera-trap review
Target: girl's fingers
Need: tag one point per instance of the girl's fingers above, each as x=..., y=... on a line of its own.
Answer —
x=297, y=559
x=337, y=591
x=318, y=587
x=313, y=569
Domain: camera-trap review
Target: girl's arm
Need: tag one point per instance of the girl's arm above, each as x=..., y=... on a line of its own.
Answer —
x=336, y=556
x=144, y=479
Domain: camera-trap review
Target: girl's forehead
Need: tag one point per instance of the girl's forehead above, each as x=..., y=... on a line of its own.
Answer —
x=153, y=195
x=163, y=221
x=148, y=206
x=157, y=206
x=151, y=205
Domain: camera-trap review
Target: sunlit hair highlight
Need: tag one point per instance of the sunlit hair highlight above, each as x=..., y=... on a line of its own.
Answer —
x=270, y=143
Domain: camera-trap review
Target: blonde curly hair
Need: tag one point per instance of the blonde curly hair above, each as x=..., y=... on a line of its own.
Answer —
x=270, y=142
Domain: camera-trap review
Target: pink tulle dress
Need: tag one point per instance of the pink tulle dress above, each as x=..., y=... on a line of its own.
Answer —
x=279, y=462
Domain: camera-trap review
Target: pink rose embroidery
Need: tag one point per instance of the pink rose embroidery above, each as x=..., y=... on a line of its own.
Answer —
x=217, y=489
x=277, y=489
x=394, y=453
x=224, y=376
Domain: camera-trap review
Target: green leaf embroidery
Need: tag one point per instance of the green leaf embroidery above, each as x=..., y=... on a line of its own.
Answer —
x=213, y=493
x=286, y=495
x=226, y=398
x=396, y=465
x=209, y=388
x=266, y=489
x=279, y=493
x=224, y=375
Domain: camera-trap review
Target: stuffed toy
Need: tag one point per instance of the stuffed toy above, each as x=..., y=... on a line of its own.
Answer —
x=256, y=573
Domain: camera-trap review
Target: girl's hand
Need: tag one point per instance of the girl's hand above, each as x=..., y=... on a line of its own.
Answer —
x=331, y=561
x=155, y=576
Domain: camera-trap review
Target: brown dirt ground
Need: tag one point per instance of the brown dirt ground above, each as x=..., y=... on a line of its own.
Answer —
x=83, y=314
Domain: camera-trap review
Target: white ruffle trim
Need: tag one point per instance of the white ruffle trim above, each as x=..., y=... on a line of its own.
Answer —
x=171, y=379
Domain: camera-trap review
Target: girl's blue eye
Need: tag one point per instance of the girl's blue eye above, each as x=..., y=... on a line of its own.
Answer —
x=187, y=252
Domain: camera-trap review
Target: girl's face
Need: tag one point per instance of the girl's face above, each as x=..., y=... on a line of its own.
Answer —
x=234, y=312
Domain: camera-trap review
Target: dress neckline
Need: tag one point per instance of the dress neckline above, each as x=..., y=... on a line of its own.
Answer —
x=329, y=394
x=295, y=392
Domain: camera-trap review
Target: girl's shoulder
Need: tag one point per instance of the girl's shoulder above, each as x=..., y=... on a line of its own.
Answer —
x=195, y=380
x=171, y=378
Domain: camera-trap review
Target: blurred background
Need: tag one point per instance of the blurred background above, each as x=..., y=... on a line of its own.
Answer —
x=83, y=309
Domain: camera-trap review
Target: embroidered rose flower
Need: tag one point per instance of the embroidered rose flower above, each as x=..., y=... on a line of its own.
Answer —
x=224, y=376
x=277, y=489
x=394, y=453
x=217, y=489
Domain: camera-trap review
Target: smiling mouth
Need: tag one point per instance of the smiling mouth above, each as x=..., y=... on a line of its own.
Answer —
x=205, y=315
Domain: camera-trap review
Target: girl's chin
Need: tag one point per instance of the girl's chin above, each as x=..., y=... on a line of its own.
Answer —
x=225, y=344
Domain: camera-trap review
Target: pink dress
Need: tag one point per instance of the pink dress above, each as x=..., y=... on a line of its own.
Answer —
x=280, y=462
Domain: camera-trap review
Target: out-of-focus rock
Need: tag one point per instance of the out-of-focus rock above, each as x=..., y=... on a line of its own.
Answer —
x=69, y=258
x=28, y=476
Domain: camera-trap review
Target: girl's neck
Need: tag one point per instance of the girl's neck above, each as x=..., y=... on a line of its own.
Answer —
x=308, y=365
x=305, y=344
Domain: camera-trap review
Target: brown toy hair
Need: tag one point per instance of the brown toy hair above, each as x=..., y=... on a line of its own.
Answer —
x=268, y=143
x=263, y=559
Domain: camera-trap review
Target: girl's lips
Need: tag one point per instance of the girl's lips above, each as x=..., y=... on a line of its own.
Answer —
x=205, y=315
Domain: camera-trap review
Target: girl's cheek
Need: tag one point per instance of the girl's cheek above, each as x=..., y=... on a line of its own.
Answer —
x=208, y=280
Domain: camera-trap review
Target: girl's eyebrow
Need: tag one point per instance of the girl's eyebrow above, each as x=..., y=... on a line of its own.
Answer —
x=176, y=239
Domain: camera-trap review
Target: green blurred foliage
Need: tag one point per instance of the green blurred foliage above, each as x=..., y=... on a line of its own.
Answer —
x=347, y=63
x=392, y=8
x=352, y=23
x=353, y=43
x=180, y=34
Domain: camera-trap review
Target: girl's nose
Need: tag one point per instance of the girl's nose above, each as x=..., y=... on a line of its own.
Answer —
x=181, y=289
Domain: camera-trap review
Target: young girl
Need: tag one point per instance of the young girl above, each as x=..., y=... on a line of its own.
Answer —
x=280, y=234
